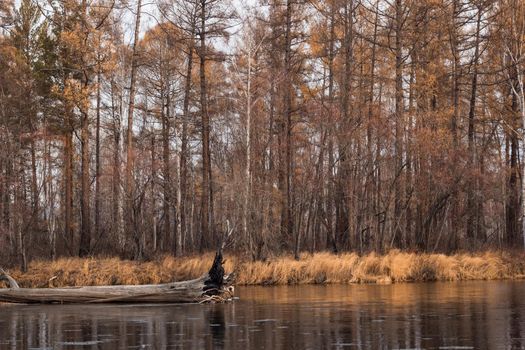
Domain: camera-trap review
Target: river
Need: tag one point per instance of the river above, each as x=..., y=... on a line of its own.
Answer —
x=462, y=315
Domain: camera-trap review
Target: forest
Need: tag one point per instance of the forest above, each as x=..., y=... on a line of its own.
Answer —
x=137, y=129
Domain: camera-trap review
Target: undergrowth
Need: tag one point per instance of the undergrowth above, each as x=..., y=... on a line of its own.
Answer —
x=319, y=268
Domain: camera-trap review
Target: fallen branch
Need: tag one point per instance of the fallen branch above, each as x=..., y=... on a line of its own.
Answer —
x=212, y=287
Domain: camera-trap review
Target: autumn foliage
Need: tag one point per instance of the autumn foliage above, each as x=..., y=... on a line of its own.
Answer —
x=368, y=129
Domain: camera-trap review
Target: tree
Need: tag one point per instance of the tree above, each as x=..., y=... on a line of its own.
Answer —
x=130, y=193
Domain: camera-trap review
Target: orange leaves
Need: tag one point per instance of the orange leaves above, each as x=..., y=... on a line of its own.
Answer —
x=74, y=40
x=318, y=40
x=73, y=94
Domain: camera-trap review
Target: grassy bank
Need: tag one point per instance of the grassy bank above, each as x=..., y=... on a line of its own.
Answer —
x=318, y=268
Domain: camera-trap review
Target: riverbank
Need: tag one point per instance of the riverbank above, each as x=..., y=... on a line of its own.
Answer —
x=319, y=268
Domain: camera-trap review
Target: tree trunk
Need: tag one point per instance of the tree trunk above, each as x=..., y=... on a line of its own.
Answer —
x=454, y=212
x=166, y=173
x=342, y=193
x=472, y=229
x=398, y=240
x=68, y=184
x=97, y=157
x=331, y=241
x=212, y=287
x=247, y=167
x=116, y=181
x=206, y=195
x=184, y=147
x=513, y=193
x=288, y=219
x=373, y=209
x=85, y=231
x=129, y=133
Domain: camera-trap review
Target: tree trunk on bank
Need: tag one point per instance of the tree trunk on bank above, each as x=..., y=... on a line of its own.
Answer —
x=85, y=231
x=117, y=225
x=372, y=202
x=98, y=168
x=68, y=184
x=397, y=239
x=166, y=184
x=472, y=228
x=212, y=287
x=85, y=212
x=183, y=181
x=130, y=227
x=206, y=196
x=286, y=215
x=331, y=242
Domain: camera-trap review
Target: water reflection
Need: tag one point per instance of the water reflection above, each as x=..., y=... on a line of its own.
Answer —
x=215, y=318
x=480, y=315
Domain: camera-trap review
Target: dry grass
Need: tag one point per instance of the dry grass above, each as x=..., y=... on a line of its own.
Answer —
x=396, y=266
x=319, y=268
x=112, y=271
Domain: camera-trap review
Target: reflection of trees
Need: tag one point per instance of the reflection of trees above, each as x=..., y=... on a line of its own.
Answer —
x=482, y=315
x=515, y=319
x=105, y=327
x=215, y=318
x=397, y=316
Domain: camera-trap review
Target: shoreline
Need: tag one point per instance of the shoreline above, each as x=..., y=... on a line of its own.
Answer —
x=319, y=268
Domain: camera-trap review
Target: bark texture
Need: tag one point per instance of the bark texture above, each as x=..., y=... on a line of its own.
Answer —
x=213, y=286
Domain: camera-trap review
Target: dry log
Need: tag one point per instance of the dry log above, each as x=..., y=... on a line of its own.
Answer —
x=212, y=287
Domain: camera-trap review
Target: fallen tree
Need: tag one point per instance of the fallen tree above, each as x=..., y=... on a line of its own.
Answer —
x=212, y=287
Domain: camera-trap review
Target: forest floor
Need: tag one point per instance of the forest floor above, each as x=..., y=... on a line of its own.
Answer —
x=318, y=268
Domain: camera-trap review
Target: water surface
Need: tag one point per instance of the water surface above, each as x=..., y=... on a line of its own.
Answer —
x=465, y=315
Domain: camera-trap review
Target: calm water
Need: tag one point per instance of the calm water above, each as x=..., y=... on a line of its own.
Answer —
x=468, y=315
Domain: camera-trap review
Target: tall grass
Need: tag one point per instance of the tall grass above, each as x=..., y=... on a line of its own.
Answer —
x=112, y=271
x=395, y=266
x=318, y=268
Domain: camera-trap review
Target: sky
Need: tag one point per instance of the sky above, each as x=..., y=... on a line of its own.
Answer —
x=151, y=16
